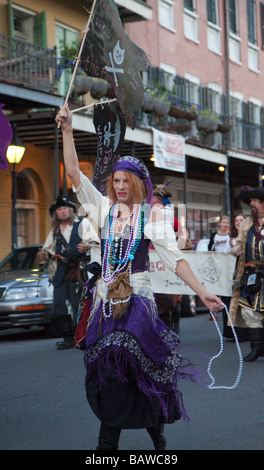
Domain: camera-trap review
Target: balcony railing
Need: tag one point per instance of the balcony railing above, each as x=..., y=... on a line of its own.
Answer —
x=37, y=68
x=28, y=64
x=247, y=136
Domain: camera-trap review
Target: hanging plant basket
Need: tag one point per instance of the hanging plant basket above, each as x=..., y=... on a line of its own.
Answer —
x=148, y=105
x=162, y=108
x=182, y=113
x=206, y=124
x=176, y=112
x=223, y=128
x=182, y=128
x=101, y=88
x=98, y=87
x=151, y=104
x=190, y=116
x=82, y=84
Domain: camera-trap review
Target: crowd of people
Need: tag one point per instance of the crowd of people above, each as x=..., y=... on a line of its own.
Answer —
x=131, y=349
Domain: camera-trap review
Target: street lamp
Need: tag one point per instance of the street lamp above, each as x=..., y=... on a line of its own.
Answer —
x=14, y=155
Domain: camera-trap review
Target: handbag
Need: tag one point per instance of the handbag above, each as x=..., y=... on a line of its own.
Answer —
x=119, y=292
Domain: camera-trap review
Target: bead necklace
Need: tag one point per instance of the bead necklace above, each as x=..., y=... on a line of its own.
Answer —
x=240, y=369
x=114, y=262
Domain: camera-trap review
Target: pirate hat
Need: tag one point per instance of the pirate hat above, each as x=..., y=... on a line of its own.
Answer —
x=61, y=201
x=247, y=193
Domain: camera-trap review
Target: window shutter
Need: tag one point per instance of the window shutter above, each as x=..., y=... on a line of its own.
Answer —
x=262, y=23
x=10, y=18
x=204, y=97
x=40, y=29
x=245, y=111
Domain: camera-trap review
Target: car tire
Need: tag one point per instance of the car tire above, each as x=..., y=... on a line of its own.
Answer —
x=188, y=306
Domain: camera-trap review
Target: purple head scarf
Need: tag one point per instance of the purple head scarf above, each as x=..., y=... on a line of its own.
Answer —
x=138, y=168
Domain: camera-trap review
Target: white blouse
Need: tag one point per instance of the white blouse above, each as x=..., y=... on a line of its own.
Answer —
x=160, y=232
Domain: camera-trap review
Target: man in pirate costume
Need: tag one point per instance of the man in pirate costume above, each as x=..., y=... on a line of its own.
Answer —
x=66, y=244
x=247, y=304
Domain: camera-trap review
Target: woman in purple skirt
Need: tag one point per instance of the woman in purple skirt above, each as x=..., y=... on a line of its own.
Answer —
x=131, y=357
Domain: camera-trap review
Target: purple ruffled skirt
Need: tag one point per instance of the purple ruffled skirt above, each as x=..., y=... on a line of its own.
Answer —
x=133, y=367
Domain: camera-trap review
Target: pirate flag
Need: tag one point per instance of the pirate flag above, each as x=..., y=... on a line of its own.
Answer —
x=108, y=53
x=6, y=134
x=110, y=129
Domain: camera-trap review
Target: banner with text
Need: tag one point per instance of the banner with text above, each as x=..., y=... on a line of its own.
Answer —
x=169, y=151
x=214, y=270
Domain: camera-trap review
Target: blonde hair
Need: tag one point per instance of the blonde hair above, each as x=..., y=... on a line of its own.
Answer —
x=224, y=217
x=136, y=186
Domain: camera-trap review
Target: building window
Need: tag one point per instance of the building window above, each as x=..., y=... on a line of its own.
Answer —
x=262, y=22
x=213, y=29
x=190, y=21
x=236, y=112
x=169, y=76
x=192, y=88
x=214, y=97
x=253, y=58
x=251, y=21
x=166, y=13
x=67, y=40
x=212, y=11
x=22, y=228
x=255, y=106
x=27, y=25
x=201, y=223
x=27, y=210
x=189, y=5
x=234, y=39
x=233, y=17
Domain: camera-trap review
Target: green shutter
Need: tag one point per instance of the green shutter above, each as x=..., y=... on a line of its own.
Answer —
x=40, y=29
x=10, y=18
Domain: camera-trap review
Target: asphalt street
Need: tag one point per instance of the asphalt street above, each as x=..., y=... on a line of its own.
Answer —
x=43, y=403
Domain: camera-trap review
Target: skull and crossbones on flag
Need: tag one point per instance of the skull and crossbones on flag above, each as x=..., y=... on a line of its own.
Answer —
x=109, y=54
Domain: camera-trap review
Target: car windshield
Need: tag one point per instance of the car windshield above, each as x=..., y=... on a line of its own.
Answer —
x=20, y=260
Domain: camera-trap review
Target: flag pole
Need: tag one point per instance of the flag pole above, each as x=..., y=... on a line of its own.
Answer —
x=92, y=105
x=80, y=51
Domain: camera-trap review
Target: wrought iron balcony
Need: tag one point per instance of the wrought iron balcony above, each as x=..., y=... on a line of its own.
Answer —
x=28, y=65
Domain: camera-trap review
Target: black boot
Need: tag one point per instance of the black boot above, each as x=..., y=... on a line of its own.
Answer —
x=257, y=350
x=257, y=344
x=108, y=438
x=158, y=437
x=67, y=343
x=64, y=328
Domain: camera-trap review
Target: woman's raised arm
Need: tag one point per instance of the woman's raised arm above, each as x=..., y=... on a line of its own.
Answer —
x=64, y=120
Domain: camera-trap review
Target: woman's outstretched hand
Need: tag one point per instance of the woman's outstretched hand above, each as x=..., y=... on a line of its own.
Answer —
x=212, y=302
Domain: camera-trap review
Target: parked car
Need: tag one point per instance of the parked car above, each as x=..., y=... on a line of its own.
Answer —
x=25, y=293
